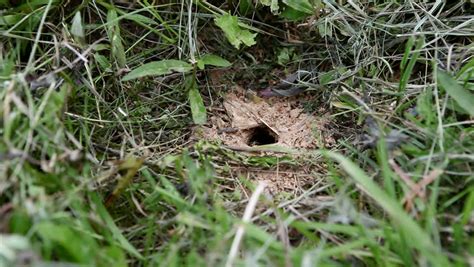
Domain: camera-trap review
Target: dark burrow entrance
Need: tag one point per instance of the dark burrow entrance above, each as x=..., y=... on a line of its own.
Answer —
x=262, y=135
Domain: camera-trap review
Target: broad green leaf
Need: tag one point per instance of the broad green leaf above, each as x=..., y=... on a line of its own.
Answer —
x=300, y=5
x=111, y=22
x=325, y=30
x=77, y=247
x=245, y=6
x=233, y=32
x=399, y=217
x=118, y=51
x=158, y=68
x=102, y=61
x=284, y=55
x=20, y=222
x=115, y=256
x=463, y=97
x=6, y=20
x=198, y=110
x=273, y=4
x=293, y=14
x=213, y=60
x=139, y=19
x=424, y=105
x=77, y=30
x=327, y=77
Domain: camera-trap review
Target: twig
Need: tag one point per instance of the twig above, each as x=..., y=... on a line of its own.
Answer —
x=245, y=219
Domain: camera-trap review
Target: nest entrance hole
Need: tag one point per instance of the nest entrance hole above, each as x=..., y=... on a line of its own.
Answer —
x=262, y=135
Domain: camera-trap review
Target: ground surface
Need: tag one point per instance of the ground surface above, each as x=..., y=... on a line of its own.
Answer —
x=244, y=133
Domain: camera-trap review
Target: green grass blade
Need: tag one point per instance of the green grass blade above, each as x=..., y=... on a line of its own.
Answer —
x=116, y=232
x=382, y=158
x=410, y=65
x=463, y=97
x=420, y=240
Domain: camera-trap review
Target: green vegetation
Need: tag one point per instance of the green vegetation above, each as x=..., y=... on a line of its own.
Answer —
x=100, y=102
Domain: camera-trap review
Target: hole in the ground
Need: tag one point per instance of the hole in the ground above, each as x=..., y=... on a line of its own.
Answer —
x=262, y=135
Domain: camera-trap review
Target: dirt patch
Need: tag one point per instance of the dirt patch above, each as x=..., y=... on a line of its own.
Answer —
x=246, y=122
x=249, y=121
x=284, y=178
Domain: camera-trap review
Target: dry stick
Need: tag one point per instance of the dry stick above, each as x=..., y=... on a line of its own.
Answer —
x=407, y=201
x=245, y=219
x=416, y=189
x=405, y=177
x=37, y=38
x=421, y=186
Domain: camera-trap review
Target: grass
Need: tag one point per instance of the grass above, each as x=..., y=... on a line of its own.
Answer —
x=101, y=170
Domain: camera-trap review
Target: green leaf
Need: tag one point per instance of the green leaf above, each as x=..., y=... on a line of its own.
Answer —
x=233, y=32
x=213, y=60
x=463, y=97
x=245, y=6
x=139, y=19
x=399, y=217
x=424, y=106
x=102, y=61
x=76, y=247
x=198, y=110
x=327, y=77
x=114, y=256
x=284, y=55
x=113, y=31
x=293, y=14
x=7, y=20
x=158, y=68
x=324, y=30
x=20, y=222
x=273, y=4
x=77, y=29
x=300, y=5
